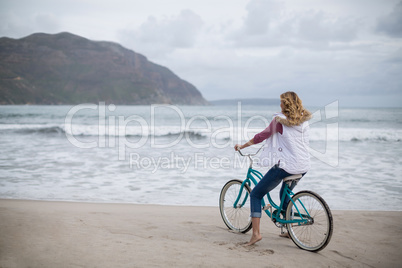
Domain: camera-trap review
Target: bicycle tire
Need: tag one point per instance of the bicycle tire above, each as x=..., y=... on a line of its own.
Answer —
x=315, y=235
x=236, y=218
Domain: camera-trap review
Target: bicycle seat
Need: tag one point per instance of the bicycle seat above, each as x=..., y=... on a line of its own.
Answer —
x=295, y=177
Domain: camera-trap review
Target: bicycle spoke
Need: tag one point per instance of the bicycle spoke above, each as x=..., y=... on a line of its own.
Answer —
x=236, y=218
x=313, y=234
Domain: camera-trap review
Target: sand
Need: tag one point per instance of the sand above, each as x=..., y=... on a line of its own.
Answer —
x=67, y=234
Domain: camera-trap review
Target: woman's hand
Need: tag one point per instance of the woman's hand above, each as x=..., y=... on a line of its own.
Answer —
x=238, y=147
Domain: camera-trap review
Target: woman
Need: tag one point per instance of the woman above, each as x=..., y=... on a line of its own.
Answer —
x=287, y=148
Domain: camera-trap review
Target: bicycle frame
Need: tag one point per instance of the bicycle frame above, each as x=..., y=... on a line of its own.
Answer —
x=306, y=219
x=252, y=176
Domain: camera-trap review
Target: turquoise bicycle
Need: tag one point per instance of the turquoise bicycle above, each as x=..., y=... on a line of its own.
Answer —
x=307, y=217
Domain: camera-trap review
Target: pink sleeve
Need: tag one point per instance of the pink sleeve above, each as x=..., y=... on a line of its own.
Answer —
x=273, y=127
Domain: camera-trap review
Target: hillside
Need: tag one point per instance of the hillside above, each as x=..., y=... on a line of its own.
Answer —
x=69, y=69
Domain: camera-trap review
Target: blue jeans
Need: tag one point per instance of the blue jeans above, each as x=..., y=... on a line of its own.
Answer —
x=272, y=179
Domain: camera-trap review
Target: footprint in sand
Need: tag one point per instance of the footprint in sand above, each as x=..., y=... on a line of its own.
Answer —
x=220, y=243
x=266, y=252
x=242, y=247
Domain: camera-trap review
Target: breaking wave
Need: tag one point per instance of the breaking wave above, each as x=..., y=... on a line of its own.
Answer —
x=316, y=134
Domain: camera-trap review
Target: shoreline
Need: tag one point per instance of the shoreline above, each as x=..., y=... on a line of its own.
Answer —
x=167, y=205
x=69, y=234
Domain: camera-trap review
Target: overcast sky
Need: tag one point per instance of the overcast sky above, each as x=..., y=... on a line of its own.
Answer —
x=325, y=50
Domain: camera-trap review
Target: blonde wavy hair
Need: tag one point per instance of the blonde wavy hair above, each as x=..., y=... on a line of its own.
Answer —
x=293, y=110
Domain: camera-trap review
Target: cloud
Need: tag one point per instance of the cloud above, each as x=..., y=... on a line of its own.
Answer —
x=270, y=24
x=320, y=26
x=395, y=57
x=260, y=15
x=161, y=36
x=391, y=24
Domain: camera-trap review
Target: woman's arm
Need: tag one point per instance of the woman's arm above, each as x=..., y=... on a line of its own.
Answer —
x=247, y=144
x=273, y=127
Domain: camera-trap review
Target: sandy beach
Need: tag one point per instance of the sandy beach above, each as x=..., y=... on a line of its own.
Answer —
x=67, y=234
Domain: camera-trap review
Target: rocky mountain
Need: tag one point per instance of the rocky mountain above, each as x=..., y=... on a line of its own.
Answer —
x=68, y=69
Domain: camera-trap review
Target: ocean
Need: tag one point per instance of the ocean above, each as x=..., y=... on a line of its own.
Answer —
x=183, y=155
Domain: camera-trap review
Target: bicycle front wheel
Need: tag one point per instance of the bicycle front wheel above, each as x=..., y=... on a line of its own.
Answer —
x=315, y=232
x=236, y=218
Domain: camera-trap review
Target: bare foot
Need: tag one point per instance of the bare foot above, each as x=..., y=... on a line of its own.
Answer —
x=254, y=239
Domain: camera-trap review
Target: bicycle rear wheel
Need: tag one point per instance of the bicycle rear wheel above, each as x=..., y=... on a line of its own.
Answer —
x=236, y=218
x=315, y=234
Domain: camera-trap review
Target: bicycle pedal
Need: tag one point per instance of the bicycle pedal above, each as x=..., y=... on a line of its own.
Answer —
x=267, y=207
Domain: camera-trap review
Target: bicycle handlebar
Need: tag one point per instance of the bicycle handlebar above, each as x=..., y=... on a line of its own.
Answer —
x=249, y=155
x=240, y=153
